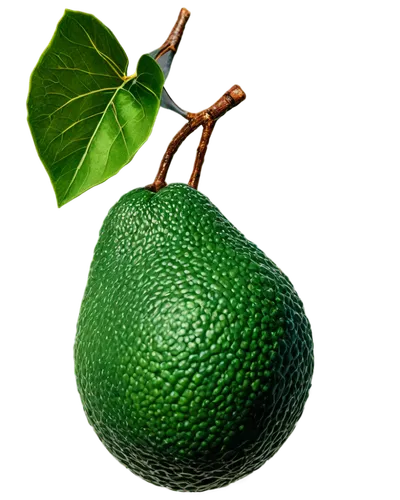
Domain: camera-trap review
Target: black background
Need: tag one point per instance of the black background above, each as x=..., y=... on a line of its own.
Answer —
x=267, y=163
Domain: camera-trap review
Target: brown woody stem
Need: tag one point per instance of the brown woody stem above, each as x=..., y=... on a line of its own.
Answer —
x=201, y=152
x=186, y=130
x=174, y=39
x=207, y=119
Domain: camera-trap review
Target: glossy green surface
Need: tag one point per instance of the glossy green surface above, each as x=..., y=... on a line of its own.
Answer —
x=193, y=353
x=87, y=119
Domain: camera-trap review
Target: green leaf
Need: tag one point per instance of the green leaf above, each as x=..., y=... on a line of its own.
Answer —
x=87, y=117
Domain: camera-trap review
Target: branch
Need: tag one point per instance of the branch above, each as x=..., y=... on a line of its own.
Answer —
x=174, y=39
x=201, y=152
x=207, y=119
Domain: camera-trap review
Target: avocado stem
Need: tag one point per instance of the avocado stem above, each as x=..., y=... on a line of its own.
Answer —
x=206, y=118
x=194, y=123
x=208, y=127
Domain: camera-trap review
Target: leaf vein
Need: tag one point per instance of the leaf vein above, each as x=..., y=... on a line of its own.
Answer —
x=90, y=142
x=82, y=71
x=108, y=60
x=79, y=97
x=119, y=125
x=71, y=126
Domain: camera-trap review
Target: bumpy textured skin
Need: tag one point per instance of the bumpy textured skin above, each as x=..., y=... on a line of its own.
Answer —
x=193, y=354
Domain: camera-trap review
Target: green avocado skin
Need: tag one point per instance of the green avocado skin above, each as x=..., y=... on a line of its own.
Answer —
x=193, y=354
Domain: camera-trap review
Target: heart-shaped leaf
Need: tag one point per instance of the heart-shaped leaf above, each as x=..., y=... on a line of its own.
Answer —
x=87, y=117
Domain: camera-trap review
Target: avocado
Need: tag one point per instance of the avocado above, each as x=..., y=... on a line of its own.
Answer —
x=193, y=354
